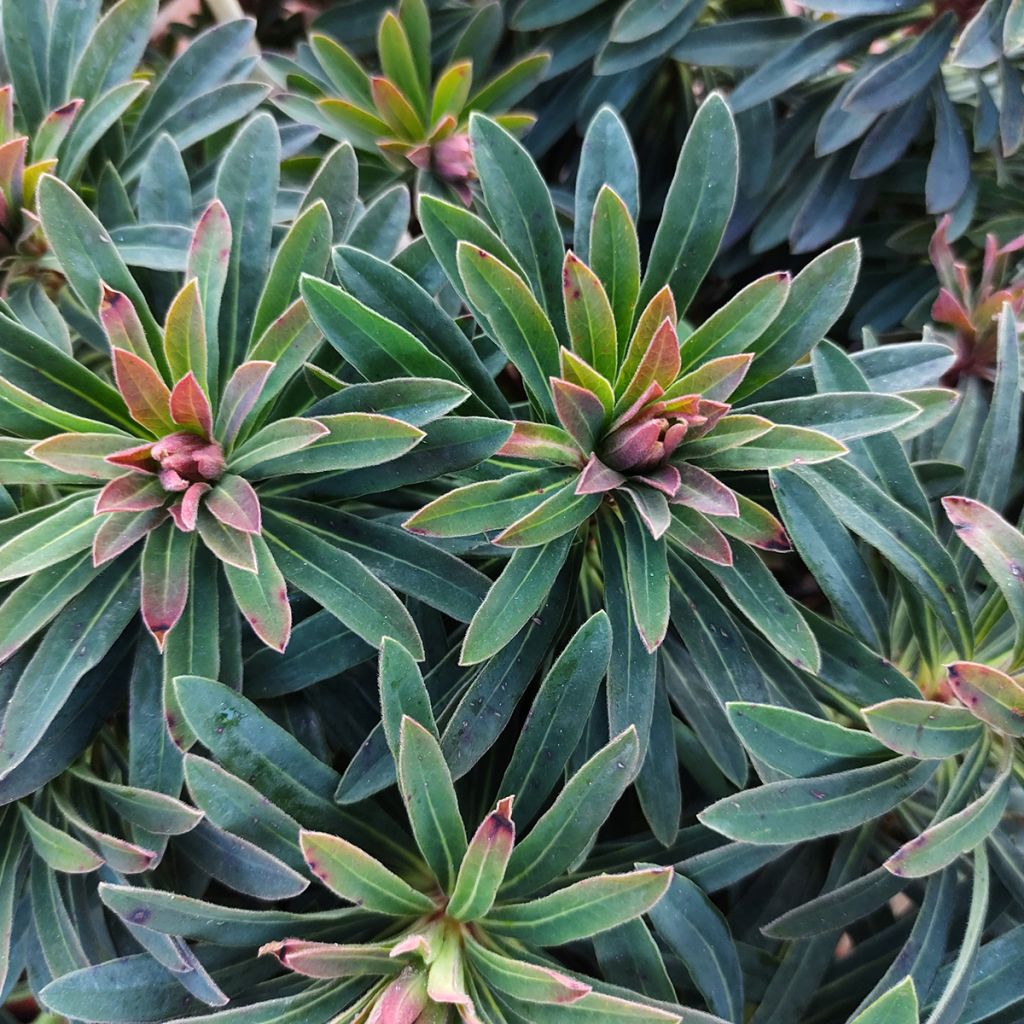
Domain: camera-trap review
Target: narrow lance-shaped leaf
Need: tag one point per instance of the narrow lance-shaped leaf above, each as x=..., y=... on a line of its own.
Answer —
x=359, y=878
x=582, y=909
x=516, y=320
x=897, y=1006
x=166, y=567
x=795, y=810
x=527, y=981
x=185, y=347
x=483, y=867
x=262, y=597
x=991, y=696
x=60, y=851
x=517, y=593
x=1001, y=550
x=923, y=729
x=429, y=797
x=941, y=843
x=208, y=264
x=698, y=205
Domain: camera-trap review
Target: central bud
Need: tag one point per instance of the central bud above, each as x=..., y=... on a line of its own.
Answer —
x=453, y=159
x=187, y=459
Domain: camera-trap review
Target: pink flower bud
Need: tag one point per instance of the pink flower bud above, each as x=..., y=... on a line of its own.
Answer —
x=453, y=159
x=186, y=459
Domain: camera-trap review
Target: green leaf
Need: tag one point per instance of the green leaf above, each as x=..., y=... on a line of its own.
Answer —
x=897, y=1006
x=799, y=744
x=60, y=851
x=759, y=596
x=520, y=204
x=353, y=440
x=166, y=568
x=593, y=1008
x=731, y=329
x=155, y=812
x=37, y=599
x=900, y=536
x=1001, y=550
x=486, y=506
x=647, y=578
x=253, y=747
x=697, y=207
x=237, y=807
x=340, y=583
x=514, y=318
x=558, y=516
x=277, y=439
x=208, y=263
x=628, y=956
x=402, y=694
x=923, y=728
x=85, y=251
x=558, y=717
x=817, y=297
x=357, y=877
x=777, y=448
x=694, y=929
x=836, y=908
x=12, y=853
x=185, y=335
x=833, y=556
x=398, y=559
x=527, y=981
x=991, y=696
x=514, y=597
x=567, y=827
x=955, y=989
x=615, y=259
x=93, y=123
x=445, y=225
x=429, y=797
x=630, y=689
x=332, y=960
x=262, y=597
x=240, y=865
x=114, y=48
x=490, y=699
x=510, y=86
x=377, y=347
x=483, y=867
x=592, y=330
x=120, y=855
x=841, y=415
x=941, y=844
x=607, y=165
x=173, y=914
x=583, y=909
x=418, y=401
x=795, y=810
x=76, y=641
x=246, y=184
x=305, y=249
x=452, y=444
x=395, y=295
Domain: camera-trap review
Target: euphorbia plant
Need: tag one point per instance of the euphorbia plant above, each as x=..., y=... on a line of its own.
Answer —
x=197, y=446
x=634, y=422
x=209, y=408
x=444, y=926
x=73, y=91
x=417, y=124
x=968, y=310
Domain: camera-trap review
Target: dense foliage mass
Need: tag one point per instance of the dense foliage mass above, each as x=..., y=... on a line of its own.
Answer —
x=511, y=513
